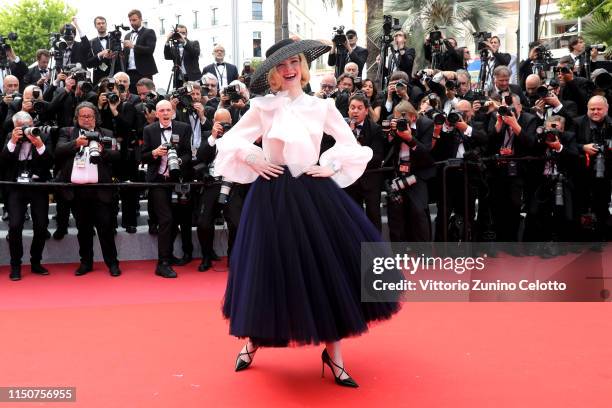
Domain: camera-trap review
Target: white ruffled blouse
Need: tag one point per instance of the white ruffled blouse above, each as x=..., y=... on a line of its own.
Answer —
x=291, y=132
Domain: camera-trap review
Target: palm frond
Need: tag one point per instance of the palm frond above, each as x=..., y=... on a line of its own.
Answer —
x=598, y=30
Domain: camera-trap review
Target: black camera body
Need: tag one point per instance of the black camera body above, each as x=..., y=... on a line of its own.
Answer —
x=174, y=163
x=233, y=92
x=115, y=42
x=95, y=139
x=505, y=110
x=338, y=36
x=542, y=91
x=184, y=97
x=176, y=37
x=4, y=47
x=401, y=124
x=562, y=70
x=548, y=135
x=480, y=37
x=112, y=97
x=69, y=32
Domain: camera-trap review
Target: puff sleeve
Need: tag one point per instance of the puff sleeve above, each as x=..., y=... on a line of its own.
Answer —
x=237, y=144
x=347, y=157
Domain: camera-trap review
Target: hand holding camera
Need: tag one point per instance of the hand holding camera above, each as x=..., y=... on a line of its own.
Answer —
x=128, y=44
x=81, y=141
x=401, y=129
x=217, y=130
x=162, y=150
x=590, y=149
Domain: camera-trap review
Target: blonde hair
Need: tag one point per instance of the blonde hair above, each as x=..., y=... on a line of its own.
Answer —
x=276, y=82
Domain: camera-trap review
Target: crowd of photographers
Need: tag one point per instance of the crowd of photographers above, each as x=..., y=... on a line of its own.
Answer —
x=483, y=152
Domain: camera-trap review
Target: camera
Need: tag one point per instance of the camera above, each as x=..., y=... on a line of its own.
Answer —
x=358, y=82
x=505, y=110
x=68, y=30
x=176, y=37
x=548, y=135
x=226, y=127
x=184, y=97
x=422, y=76
x=4, y=47
x=174, y=164
x=95, y=139
x=401, y=124
x=598, y=47
x=29, y=131
x=451, y=85
x=85, y=86
x=386, y=125
x=542, y=91
x=395, y=187
x=39, y=106
x=435, y=38
x=400, y=84
x=480, y=37
x=601, y=144
x=226, y=189
x=563, y=70
x=338, y=36
x=390, y=24
x=112, y=97
x=439, y=118
x=57, y=42
x=233, y=91
x=115, y=44
x=602, y=79
x=543, y=55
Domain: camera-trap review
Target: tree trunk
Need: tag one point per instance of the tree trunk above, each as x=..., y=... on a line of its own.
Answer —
x=373, y=8
x=278, y=20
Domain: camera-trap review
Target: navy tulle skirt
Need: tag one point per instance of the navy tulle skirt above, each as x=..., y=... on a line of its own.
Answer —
x=295, y=266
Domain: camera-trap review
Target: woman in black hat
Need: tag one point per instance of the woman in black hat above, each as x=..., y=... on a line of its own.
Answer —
x=295, y=265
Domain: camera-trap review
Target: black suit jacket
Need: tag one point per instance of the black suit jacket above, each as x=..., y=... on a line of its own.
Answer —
x=94, y=62
x=143, y=52
x=80, y=52
x=231, y=72
x=359, y=56
x=191, y=58
x=30, y=78
x=421, y=161
x=40, y=165
x=65, y=152
x=524, y=142
x=152, y=136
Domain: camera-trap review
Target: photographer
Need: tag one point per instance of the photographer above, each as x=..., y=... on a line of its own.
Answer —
x=138, y=49
x=442, y=53
x=75, y=52
x=101, y=55
x=347, y=51
x=166, y=152
x=40, y=74
x=223, y=71
x=400, y=58
x=464, y=85
x=239, y=100
x=85, y=153
x=31, y=102
x=77, y=88
x=572, y=86
x=460, y=136
x=185, y=54
x=11, y=91
x=409, y=154
x=345, y=86
x=27, y=157
x=594, y=142
x=247, y=73
x=537, y=61
x=495, y=58
x=502, y=85
x=367, y=189
x=16, y=66
x=120, y=116
x=215, y=196
x=544, y=101
x=210, y=91
x=511, y=135
x=122, y=80
x=550, y=210
x=400, y=90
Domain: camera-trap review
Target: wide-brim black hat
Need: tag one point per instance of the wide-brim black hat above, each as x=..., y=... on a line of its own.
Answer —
x=279, y=52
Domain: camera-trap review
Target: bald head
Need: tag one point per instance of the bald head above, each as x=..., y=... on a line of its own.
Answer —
x=465, y=107
x=597, y=108
x=532, y=82
x=164, y=112
x=223, y=115
x=10, y=84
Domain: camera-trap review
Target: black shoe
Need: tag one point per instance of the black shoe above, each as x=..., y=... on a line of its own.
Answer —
x=205, y=265
x=130, y=230
x=165, y=270
x=153, y=229
x=38, y=269
x=114, y=270
x=347, y=382
x=182, y=261
x=240, y=363
x=59, y=234
x=15, y=273
x=83, y=269
x=214, y=256
x=47, y=235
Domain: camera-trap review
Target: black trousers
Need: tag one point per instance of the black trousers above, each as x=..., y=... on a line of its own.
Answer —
x=593, y=195
x=545, y=220
x=90, y=212
x=161, y=198
x=62, y=208
x=17, y=203
x=506, y=201
x=409, y=219
x=366, y=190
x=182, y=223
x=209, y=209
x=455, y=202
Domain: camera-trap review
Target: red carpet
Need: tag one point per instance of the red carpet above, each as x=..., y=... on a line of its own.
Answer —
x=143, y=341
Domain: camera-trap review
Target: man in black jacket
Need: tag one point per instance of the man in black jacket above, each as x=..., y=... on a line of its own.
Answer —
x=511, y=135
x=502, y=85
x=76, y=52
x=16, y=66
x=407, y=197
x=91, y=206
x=101, y=57
x=185, y=54
x=223, y=71
x=594, y=143
x=367, y=188
x=27, y=157
x=40, y=74
x=158, y=137
x=347, y=52
x=138, y=48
